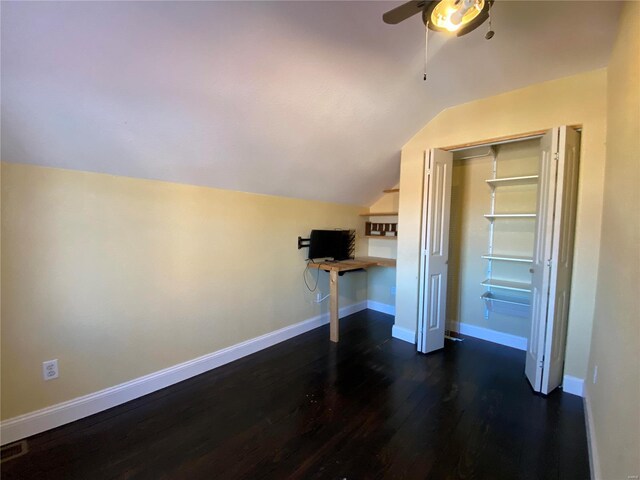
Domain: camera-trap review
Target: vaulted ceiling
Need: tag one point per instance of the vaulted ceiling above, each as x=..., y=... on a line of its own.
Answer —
x=302, y=99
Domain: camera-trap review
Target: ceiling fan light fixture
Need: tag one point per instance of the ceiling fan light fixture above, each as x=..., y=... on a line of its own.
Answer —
x=456, y=16
x=453, y=14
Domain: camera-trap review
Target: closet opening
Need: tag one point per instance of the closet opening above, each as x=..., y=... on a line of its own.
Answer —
x=498, y=222
x=491, y=239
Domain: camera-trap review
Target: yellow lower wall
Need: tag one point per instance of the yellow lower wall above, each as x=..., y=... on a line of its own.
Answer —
x=381, y=285
x=119, y=277
x=614, y=400
x=580, y=99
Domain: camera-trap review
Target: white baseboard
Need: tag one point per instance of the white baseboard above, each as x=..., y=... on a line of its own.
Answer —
x=405, y=334
x=47, y=418
x=594, y=462
x=381, y=307
x=573, y=385
x=489, y=335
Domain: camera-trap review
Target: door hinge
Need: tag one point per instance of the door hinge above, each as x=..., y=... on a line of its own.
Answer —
x=549, y=262
x=556, y=156
x=428, y=171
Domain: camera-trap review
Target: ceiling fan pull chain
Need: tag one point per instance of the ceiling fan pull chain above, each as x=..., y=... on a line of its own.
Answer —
x=426, y=49
x=490, y=33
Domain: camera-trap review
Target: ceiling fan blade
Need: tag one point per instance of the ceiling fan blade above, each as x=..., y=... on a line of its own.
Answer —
x=403, y=12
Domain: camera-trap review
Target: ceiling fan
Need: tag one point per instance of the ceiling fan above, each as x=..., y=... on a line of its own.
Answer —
x=453, y=16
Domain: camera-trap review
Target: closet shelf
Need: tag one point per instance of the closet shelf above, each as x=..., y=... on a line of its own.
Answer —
x=381, y=214
x=524, y=180
x=392, y=190
x=507, y=258
x=491, y=297
x=383, y=237
x=507, y=285
x=493, y=216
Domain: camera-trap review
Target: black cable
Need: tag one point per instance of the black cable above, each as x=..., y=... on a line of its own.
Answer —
x=304, y=276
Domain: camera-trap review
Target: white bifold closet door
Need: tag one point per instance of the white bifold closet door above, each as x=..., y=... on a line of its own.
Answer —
x=553, y=258
x=434, y=251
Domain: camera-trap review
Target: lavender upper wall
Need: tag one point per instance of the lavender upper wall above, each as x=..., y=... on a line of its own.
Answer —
x=300, y=99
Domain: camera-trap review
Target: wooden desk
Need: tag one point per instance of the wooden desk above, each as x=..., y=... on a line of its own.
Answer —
x=334, y=268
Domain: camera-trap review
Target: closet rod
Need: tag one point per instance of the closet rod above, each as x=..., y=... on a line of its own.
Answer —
x=489, y=152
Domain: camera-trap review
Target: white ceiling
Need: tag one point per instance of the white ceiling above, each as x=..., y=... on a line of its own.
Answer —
x=302, y=99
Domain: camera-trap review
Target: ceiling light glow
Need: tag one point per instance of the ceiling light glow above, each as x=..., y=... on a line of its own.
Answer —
x=452, y=15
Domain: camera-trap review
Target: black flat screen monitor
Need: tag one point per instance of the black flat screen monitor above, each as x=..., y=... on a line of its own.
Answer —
x=329, y=244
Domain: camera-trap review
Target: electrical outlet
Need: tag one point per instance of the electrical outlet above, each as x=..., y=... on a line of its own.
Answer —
x=595, y=374
x=50, y=369
x=393, y=290
x=318, y=297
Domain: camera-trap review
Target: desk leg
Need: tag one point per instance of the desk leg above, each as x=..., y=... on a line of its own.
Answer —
x=334, y=325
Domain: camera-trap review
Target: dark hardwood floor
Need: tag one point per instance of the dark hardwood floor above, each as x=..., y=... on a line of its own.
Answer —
x=369, y=407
